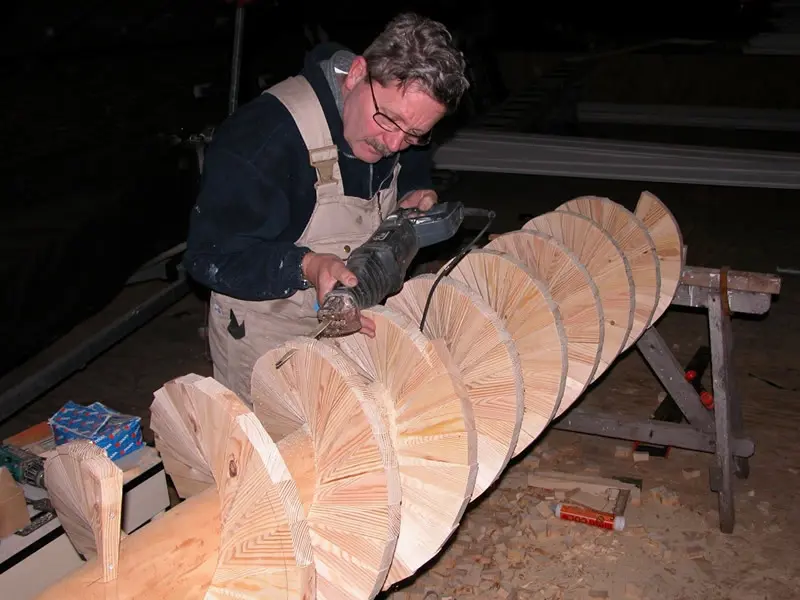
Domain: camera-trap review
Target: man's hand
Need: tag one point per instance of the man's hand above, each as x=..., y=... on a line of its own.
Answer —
x=421, y=199
x=323, y=271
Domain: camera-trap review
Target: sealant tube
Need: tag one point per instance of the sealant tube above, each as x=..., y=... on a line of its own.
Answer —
x=581, y=514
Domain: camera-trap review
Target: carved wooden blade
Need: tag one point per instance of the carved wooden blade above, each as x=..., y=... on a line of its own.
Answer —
x=638, y=247
x=85, y=488
x=333, y=434
x=532, y=318
x=432, y=429
x=667, y=238
x=487, y=358
x=610, y=271
x=576, y=296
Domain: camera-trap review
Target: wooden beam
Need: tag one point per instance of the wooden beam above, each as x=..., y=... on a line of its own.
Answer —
x=740, y=281
x=172, y=557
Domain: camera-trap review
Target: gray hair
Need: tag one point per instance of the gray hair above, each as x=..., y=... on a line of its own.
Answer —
x=415, y=50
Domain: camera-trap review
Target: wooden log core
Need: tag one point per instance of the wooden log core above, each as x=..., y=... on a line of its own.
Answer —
x=576, y=296
x=609, y=269
x=169, y=558
x=667, y=238
x=485, y=354
x=532, y=318
x=265, y=546
x=639, y=249
x=345, y=463
x=433, y=431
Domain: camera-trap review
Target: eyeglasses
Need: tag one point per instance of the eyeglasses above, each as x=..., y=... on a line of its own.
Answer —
x=386, y=123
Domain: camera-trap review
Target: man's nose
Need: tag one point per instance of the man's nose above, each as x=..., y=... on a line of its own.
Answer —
x=396, y=140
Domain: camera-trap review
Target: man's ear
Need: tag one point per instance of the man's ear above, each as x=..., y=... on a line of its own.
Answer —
x=358, y=71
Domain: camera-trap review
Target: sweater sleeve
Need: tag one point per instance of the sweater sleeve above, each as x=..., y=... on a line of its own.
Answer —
x=234, y=245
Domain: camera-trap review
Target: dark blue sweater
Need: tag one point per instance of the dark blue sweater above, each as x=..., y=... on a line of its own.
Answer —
x=257, y=193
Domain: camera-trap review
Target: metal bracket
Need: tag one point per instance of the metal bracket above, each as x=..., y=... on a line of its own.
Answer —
x=721, y=292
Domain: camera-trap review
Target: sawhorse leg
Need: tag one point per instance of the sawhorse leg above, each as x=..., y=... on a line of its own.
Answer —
x=727, y=412
x=670, y=373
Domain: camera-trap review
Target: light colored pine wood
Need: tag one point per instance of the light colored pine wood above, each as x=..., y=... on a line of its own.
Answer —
x=264, y=540
x=333, y=433
x=171, y=558
x=532, y=318
x=486, y=357
x=609, y=269
x=557, y=480
x=306, y=501
x=576, y=296
x=638, y=247
x=666, y=235
x=85, y=488
x=432, y=428
x=182, y=457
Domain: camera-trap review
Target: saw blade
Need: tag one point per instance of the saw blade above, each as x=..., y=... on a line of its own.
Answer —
x=314, y=334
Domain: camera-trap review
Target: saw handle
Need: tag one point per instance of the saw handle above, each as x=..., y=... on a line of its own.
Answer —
x=381, y=263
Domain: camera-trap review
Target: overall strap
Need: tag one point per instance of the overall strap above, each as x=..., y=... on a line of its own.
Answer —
x=299, y=98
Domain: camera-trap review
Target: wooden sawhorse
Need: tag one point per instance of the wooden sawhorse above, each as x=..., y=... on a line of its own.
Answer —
x=722, y=293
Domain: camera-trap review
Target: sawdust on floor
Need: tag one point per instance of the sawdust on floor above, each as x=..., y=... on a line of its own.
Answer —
x=505, y=549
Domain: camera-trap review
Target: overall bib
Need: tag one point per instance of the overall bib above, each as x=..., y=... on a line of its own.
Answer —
x=338, y=225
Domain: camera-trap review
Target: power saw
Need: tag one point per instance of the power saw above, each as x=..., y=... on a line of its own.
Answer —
x=381, y=263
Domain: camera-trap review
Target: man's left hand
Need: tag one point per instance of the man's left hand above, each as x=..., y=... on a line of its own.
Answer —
x=421, y=199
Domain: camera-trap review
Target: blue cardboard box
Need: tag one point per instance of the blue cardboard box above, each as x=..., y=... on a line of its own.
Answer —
x=114, y=432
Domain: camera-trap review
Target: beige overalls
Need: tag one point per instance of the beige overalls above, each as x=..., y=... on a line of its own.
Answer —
x=338, y=225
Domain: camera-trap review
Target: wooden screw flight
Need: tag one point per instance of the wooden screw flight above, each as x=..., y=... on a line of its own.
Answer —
x=359, y=457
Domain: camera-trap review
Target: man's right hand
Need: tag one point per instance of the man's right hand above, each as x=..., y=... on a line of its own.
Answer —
x=323, y=271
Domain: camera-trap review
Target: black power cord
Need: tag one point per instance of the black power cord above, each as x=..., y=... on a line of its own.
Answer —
x=468, y=212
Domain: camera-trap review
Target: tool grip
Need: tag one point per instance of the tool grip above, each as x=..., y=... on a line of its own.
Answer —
x=380, y=266
x=379, y=274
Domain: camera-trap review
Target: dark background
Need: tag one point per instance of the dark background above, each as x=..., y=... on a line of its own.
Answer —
x=99, y=96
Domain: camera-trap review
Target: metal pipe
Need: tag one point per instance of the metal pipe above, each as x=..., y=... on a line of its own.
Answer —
x=567, y=156
x=236, y=61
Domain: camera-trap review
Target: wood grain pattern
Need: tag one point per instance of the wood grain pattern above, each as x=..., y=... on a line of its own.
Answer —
x=182, y=457
x=486, y=357
x=265, y=543
x=667, y=238
x=639, y=249
x=432, y=427
x=531, y=316
x=609, y=269
x=85, y=488
x=170, y=558
x=576, y=296
x=333, y=433
x=363, y=453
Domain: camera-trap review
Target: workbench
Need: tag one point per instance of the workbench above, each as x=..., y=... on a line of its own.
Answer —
x=720, y=431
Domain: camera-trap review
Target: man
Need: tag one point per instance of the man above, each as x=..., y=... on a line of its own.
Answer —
x=299, y=177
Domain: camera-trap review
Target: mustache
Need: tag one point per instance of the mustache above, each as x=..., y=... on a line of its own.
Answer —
x=379, y=147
